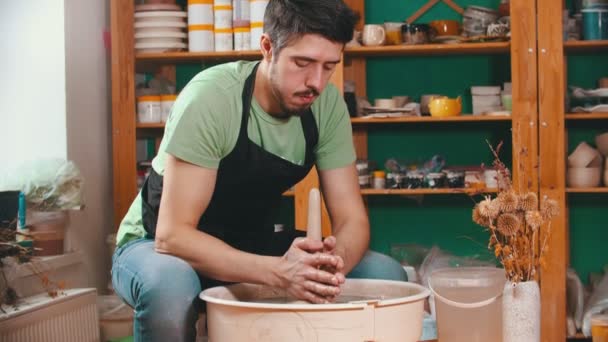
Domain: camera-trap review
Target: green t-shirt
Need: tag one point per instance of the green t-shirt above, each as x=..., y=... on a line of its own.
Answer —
x=205, y=121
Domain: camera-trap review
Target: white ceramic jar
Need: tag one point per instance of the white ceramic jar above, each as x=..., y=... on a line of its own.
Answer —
x=166, y=104
x=148, y=109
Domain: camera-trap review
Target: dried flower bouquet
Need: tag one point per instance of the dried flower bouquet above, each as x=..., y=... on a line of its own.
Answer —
x=517, y=223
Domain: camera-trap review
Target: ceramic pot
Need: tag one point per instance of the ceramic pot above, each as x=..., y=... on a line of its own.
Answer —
x=521, y=312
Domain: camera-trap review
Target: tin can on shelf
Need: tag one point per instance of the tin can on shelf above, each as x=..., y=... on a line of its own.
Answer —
x=435, y=180
x=149, y=109
x=379, y=181
x=413, y=180
x=455, y=179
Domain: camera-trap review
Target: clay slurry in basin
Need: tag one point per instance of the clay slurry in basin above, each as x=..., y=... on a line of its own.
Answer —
x=340, y=300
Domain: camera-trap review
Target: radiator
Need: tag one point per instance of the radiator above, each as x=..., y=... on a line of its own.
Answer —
x=70, y=317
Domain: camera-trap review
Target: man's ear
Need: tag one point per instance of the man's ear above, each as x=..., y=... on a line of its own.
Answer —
x=266, y=47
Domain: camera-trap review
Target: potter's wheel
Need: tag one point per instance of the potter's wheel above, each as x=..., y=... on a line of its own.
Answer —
x=367, y=310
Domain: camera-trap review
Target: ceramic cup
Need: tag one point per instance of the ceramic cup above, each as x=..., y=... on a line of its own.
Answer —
x=393, y=33
x=582, y=156
x=401, y=101
x=445, y=27
x=595, y=23
x=373, y=35
x=385, y=103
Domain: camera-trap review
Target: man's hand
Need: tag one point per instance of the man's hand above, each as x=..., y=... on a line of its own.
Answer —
x=302, y=271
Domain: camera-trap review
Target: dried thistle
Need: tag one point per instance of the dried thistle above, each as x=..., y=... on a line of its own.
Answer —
x=528, y=202
x=507, y=201
x=549, y=209
x=480, y=219
x=489, y=208
x=534, y=219
x=519, y=231
x=508, y=224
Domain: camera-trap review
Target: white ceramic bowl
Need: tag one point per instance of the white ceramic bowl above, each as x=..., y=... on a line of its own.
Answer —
x=583, y=177
x=582, y=155
x=601, y=141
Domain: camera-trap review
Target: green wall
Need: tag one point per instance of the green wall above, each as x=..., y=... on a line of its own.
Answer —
x=431, y=220
x=446, y=220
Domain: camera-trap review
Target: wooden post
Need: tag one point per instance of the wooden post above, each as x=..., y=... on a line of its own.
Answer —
x=123, y=107
x=551, y=65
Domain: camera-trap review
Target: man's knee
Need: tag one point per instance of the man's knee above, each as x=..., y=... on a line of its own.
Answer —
x=376, y=265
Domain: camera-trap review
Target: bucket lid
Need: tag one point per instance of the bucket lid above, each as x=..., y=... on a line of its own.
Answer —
x=468, y=278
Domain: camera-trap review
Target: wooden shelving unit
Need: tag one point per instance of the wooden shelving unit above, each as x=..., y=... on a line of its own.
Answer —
x=441, y=191
x=430, y=119
x=428, y=49
x=401, y=120
x=598, y=190
x=406, y=192
x=586, y=116
x=536, y=52
x=585, y=45
x=363, y=51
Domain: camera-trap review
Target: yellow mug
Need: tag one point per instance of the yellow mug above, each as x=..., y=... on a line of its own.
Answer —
x=444, y=106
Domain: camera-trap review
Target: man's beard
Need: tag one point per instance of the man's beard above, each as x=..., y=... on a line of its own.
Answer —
x=287, y=111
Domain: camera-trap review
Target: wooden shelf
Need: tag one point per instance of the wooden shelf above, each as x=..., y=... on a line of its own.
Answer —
x=427, y=49
x=407, y=119
x=289, y=193
x=364, y=51
x=414, y=119
x=585, y=45
x=586, y=116
x=579, y=336
x=150, y=125
x=598, y=190
x=178, y=57
x=443, y=191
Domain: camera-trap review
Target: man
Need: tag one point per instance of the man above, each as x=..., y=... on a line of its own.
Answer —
x=239, y=135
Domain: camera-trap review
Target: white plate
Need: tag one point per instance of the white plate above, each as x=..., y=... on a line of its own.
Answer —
x=385, y=110
x=156, y=7
x=156, y=14
x=387, y=115
x=603, y=92
x=599, y=108
x=171, y=45
x=158, y=40
x=159, y=30
x=142, y=24
x=161, y=34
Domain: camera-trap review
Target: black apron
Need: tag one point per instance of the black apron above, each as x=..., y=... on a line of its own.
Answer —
x=250, y=183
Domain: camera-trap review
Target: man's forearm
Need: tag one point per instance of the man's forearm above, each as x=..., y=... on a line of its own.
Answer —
x=215, y=259
x=352, y=241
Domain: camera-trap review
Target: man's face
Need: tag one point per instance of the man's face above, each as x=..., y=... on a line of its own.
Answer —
x=301, y=71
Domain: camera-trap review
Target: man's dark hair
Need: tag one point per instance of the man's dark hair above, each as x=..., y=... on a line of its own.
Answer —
x=286, y=20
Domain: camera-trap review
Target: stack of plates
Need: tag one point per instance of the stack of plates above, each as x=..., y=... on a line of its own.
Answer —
x=159, y=28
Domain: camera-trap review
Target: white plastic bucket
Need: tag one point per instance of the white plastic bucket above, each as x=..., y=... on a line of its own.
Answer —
x=115, y=318
x=468, y=303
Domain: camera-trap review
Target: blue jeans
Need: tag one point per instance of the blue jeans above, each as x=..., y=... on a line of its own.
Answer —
x=164, y=289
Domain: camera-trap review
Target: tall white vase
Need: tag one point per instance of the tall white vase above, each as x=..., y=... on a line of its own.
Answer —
x=521, y=312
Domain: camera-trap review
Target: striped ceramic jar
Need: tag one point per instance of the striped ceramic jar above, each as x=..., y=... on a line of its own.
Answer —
x=200, y=25
x=257, y=9
x=222, y=12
